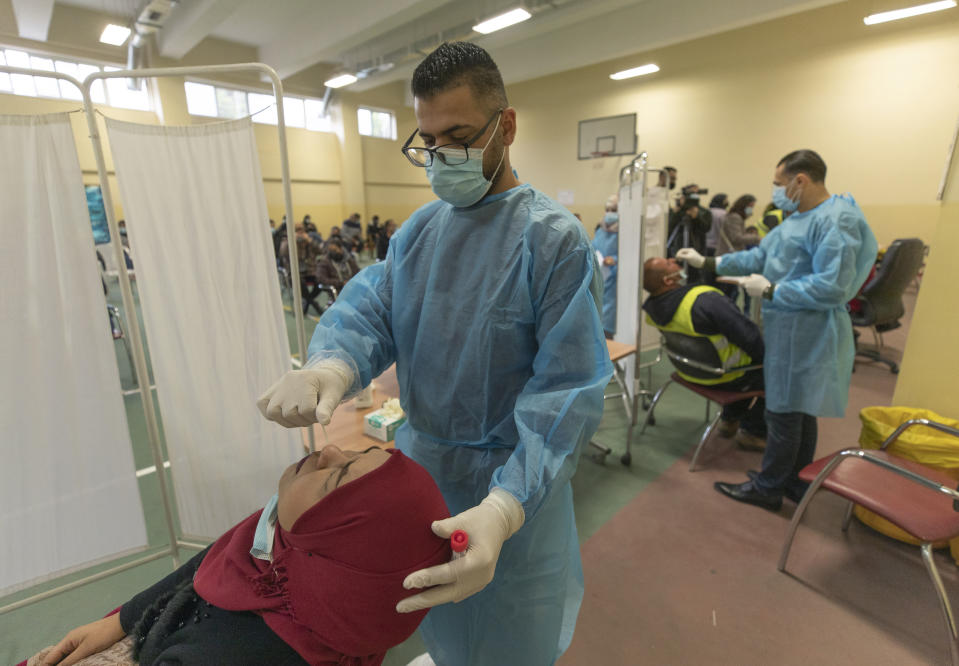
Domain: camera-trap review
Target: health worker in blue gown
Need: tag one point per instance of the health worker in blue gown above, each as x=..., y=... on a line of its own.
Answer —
x=489, y=304
x=805, y=271
x=606, y=244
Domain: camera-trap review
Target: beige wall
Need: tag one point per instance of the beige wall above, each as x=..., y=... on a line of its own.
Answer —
x=930, y=364
x=879, y=103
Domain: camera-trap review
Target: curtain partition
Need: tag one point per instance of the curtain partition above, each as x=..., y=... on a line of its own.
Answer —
x=68, y=491
x=197, y=221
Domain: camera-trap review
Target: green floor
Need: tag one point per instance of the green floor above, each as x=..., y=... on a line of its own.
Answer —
x=600, y=491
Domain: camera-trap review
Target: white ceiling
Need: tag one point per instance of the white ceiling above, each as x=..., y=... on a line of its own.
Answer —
x=292, y=35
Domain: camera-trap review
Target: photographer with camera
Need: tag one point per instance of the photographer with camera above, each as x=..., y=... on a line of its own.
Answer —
x=689, y=223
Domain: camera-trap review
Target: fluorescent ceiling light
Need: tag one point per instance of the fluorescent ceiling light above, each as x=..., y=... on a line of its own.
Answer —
x=908, y=12
x=340, y=81
x=635, y=71
x=512, y=17
x=114, y=35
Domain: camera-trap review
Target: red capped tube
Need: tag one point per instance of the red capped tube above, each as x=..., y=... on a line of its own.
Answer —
x=459, y=542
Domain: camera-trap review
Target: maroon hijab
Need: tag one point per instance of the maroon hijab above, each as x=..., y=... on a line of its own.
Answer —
x=337, y=575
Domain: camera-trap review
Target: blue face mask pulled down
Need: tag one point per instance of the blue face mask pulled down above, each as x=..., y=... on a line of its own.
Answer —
x=782, y=201
x=263, y=537
x=611, y=218
x=463, y=184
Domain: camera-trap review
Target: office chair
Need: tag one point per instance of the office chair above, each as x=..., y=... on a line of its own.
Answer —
x=696, y=357
x=881, y=297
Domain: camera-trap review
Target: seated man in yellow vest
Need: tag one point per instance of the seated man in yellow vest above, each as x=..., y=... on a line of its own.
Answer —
x=703, y=311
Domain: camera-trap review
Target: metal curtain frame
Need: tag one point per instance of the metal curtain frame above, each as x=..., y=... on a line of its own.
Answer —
x=139, y=366
x=639, y=166
x=171, y=549
x=153, y=433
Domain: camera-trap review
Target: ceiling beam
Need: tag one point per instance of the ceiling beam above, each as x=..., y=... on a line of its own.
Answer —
x=334, y=27
x=33, y=18
x=190, y=23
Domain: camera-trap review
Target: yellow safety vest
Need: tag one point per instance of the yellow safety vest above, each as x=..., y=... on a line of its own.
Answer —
x=761, y=225
x=682, y=322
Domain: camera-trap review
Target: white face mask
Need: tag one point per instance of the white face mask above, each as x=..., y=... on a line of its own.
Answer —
x=679, y=276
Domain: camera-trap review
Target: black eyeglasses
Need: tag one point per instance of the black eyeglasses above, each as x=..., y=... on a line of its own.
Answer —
x=450, y=154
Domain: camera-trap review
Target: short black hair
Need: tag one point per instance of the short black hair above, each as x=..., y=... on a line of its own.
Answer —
x=804, y=161
x=719, y=200
x=454, y=64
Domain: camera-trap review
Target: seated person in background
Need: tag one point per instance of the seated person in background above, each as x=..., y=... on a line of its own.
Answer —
x=353, y=233
x=383, y=241
x=703, y=311
x=311, y=231
x=313, y=580
x=336, y=267
x=307, y=257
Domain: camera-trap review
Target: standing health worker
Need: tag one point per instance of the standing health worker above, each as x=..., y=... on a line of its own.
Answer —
x=606, y=244
x=805, y=270
x=488, y=302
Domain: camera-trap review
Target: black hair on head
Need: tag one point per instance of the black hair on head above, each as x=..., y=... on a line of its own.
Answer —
x=454, y=64
x=804, y=161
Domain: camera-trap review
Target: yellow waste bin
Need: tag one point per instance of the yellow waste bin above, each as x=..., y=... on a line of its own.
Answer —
x=920, y=444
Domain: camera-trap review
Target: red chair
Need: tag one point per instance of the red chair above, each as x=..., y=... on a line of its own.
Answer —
x=918, y=499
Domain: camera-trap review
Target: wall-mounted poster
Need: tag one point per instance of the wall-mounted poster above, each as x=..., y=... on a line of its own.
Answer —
x=98, y=215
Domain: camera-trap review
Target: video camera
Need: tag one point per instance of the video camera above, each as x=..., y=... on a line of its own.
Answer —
x=689, y=197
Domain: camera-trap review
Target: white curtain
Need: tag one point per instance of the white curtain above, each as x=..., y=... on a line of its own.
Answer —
x=197, y=222
x=68, y=490
x=642, y=219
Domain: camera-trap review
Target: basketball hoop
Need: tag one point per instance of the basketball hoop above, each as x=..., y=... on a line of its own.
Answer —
x=600, y=153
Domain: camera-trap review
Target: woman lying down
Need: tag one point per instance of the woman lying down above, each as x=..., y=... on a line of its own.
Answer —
x=317, y=584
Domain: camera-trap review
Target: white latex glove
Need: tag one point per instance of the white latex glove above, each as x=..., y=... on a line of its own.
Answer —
x=304, y=397
x=755, y=285
x=691, y=256
x=488, y=525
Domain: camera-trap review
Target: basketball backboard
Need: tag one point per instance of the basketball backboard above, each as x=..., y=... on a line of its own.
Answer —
x=612, y=135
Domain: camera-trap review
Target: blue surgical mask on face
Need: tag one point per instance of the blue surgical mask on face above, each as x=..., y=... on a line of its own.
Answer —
x=782, y=201
x=611, y=217
x=748, y=210
x=463, y=184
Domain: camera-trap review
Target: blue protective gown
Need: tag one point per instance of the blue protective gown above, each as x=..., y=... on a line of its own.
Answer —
x=607, y=243
x=818, y=260
x=491, y=314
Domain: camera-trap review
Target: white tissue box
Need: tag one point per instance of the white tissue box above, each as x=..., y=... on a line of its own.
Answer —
x=382, y=424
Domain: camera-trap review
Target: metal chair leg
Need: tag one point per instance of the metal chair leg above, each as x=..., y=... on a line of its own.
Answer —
x=927, y=559
x=627, y=457
x=847, y=516
x=797, y=518
x=702, y=440
x=652, y=406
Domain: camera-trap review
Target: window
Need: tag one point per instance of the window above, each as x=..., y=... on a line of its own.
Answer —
x=117, y=92
x=200, y=99
x=376, y=122
x=204, y=99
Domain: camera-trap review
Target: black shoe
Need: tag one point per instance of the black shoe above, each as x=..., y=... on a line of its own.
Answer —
x=795, y=494
x=748, y=493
